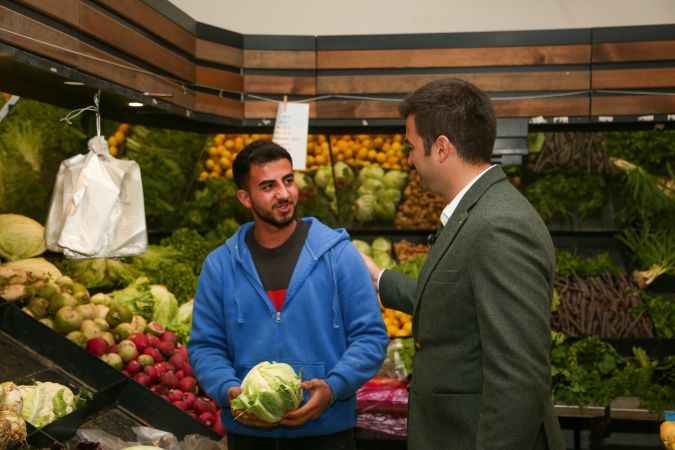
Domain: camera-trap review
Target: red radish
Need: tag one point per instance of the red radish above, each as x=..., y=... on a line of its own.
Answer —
x=189, y=399
x=168, y=336
x=188, y=384
x=167, y=348
x=180, y=375
x=156, y=355
x=182, y=350
x=163, y=367
x=133, y=366
x=146, y=360
x=206, y=418
x=169, y=379
x=180, y=404
x=141, y=341
x=151, y=371
x=97, y=346
x=178, y=361
x=187, y=370
x=127, y=350
x=175, y=395
x=143, y=379
x=153, y=341
x=201, y=405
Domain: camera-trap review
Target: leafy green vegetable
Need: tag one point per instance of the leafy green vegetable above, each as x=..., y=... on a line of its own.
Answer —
x=269, y=390
x=583, y=372
x=166, y=305
x=192, y=247
x=100, y=273
x=215, y=200
x=168, y=161
x=648, y=149
x=653, y=252
x=662, y=312
x=560, y=196
x=20, y=237
x=182, y=322
x=44, y=402
x=33, y=142
x=568, y=263
x=412, y=267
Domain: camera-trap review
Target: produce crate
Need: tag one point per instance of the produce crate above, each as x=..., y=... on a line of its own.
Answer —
x=158, y=412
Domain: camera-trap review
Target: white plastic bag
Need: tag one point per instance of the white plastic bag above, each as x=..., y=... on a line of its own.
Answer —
x=97, y=207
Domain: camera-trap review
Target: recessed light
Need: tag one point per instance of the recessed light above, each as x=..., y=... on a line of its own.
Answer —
x=136, y=104
x=74, y=83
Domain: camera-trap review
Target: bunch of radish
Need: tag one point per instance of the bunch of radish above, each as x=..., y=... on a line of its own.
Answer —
x=158, y=362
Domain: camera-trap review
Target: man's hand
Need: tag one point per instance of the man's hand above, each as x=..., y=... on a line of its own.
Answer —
x=319, y=400
x=373, y=269
x=241, y=416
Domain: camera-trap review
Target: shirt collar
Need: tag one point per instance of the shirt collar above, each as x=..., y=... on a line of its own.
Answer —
x=450, y=208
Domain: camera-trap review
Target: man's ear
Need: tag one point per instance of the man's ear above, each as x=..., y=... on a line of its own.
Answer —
x=444, y=148
x=244, y=198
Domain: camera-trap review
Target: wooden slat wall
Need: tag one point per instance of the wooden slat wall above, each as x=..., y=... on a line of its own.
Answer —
x=65, y=10
x=146, y=17
x=453, y=57
x=634, y=51
x=276, y=84
x=279, y=59
x=494, y=82
x=219, y=53
x=632, y=105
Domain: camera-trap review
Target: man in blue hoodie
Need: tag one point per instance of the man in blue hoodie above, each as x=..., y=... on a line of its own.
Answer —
x=286, y=290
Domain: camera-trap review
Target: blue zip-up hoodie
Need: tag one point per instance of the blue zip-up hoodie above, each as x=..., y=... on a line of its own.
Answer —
x=330, y=326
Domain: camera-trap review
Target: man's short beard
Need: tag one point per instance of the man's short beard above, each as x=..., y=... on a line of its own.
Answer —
x=269, y=219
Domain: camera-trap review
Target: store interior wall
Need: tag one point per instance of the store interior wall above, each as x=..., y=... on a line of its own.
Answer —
x=344, y=17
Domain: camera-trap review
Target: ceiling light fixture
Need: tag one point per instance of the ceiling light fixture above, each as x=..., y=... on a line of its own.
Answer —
x=74, y=83
x=136, y=104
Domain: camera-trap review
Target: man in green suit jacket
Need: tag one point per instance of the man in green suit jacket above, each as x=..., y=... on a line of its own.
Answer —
x=481, y=306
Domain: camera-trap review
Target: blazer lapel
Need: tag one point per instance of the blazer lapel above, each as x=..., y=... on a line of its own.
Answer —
x=454, y=224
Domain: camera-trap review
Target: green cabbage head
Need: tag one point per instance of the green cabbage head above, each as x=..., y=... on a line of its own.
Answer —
x=20, y=237
x=269, y=391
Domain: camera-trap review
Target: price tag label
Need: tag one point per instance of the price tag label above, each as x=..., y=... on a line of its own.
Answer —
x=290, y=131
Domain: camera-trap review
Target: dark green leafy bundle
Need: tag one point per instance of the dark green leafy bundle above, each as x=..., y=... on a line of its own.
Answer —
x=569, y=263
x=662, y=312
x=648, y=149
x=561, y=196
x=647, y=195
x=193, y=248
x=167, y=266
x=33, y=142
x=653, y=252
x=584, y=372
x=659, y=395
x=213, y=203
x=168, y=161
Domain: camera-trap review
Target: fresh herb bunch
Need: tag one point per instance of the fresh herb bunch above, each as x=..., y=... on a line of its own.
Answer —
x=662, y=312
x=648, y=149
x=559, y=196
x=569, y=263
x=653, y=252
x=584, y=372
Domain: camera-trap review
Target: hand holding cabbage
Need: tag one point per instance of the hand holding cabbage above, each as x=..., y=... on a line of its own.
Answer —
x=271, y=393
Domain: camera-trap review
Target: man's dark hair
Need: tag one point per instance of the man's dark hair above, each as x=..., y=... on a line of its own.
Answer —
x=458, y=110
x=258, y=152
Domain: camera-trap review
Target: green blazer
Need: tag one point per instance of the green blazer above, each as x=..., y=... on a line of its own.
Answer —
x=481, y=311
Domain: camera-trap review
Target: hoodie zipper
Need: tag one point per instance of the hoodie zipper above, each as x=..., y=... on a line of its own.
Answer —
x=278, y=316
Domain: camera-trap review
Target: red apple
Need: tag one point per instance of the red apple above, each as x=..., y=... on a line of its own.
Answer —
x=151, y=371
x=166, y=348
x=206, y=418
x=133, y=366
x=175, y=395
x=189, y=399
x=169, y=379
